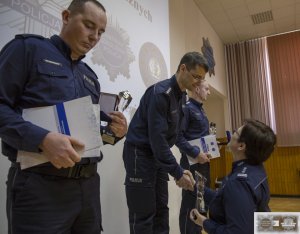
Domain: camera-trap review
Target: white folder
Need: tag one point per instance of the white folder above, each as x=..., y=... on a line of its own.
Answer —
x=79, y=118
x=207, y=144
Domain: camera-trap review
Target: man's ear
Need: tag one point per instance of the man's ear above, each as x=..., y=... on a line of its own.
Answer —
x=182, y=67
x=65, y=15
x=242, y=146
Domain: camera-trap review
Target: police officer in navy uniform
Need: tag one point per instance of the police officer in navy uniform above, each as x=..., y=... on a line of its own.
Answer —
x=245, y=190
x=194, y=126
x=147, y=155
x=62, y=196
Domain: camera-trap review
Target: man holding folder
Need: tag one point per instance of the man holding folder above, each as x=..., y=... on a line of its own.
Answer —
x=62, y=196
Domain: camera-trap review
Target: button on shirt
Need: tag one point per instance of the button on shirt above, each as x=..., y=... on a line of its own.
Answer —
x=194, y=125
x=156, y=122
x=34, y=72
x=232, y=207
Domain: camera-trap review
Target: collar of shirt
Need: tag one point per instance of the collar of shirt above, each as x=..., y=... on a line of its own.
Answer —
x=177, y=91
x=198, y=104
x=238, y=164
x=63, y=47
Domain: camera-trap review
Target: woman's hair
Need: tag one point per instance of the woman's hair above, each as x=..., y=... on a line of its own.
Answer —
x=259, y=139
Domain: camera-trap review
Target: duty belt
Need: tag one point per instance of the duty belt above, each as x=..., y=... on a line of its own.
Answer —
x=75, y=172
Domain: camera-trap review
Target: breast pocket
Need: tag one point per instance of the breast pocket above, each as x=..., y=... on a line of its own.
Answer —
x=55, y=79
x=91, y=88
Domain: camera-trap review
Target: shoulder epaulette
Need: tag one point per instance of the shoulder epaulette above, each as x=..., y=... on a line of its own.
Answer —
x=168, y=90
x=242, y=175
x=90, y=69
x=25, y=36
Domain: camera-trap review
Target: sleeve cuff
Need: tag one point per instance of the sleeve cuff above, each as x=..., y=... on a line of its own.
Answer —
x=177, y=173
x=33, y=139
x=195, y=151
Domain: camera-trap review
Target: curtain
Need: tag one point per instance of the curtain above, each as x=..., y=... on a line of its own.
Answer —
x=249, y=88
x=284, y=57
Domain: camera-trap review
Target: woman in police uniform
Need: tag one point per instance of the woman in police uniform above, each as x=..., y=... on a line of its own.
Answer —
x=245, y=190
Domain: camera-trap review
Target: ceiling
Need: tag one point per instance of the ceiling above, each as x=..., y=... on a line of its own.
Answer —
x=233, y=21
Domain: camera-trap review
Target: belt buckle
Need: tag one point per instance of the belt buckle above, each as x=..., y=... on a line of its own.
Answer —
x=75, y=172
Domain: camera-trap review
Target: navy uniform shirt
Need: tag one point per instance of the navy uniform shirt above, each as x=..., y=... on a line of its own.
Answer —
x=35, y=72
x=194, y=125
x=155, y=124
x=232, y=207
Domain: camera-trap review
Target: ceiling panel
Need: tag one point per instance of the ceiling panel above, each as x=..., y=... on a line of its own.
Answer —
x=231, y=19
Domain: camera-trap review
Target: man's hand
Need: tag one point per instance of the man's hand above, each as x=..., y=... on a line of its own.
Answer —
x=203, y=158
x=119, y=123
x=60, y=149
x=187, y=181
x=196, y=217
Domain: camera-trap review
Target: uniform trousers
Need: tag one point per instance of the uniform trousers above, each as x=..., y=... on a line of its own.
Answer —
x=146, y=191
x=50, y=204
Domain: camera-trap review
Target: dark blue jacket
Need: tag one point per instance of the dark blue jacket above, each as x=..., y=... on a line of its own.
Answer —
x=194, y=125
x=35, y=72
x=156, y=123
x=232, y=207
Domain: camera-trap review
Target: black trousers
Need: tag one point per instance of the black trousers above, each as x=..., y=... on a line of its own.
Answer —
x=146, y=192
x=50, y=204
x=188, y=201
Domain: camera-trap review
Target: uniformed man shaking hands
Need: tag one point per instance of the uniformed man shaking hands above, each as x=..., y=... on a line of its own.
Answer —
x=147, y=155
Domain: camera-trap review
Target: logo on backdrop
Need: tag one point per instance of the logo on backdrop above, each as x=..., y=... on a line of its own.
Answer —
x=153, y=67
x=114, y=52
x=208, y=53
x=37, y=16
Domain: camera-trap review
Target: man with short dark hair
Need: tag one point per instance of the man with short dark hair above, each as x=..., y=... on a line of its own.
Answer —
x=61, y=196
x=245, y=190
x=147, y=155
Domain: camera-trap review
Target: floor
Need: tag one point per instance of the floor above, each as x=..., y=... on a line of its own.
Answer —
x=284, y=204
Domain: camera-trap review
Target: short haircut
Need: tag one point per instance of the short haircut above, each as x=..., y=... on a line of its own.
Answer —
x=192, y=59
x=260, y=141
x=77, y=6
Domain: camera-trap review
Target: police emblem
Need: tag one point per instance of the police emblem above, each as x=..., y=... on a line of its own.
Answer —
x=208, y=53
x=113, y=52
x=153, y=67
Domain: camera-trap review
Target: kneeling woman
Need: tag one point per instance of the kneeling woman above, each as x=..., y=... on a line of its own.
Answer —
x=245, y=190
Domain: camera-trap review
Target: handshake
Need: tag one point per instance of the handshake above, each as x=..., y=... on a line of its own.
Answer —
x=187, y=181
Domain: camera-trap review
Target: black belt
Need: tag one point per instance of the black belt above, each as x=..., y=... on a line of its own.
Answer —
x=76, y=172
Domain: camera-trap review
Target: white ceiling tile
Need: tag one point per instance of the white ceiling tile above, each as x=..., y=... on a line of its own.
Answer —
x=259, y=6
x=231, y=19
x=286, y=29
x=297, y=8
x=227, y=4
x=237, y=12
x=281, y=3
x=285, y=22
x=211, y=6
x=244, y=22
x=283, y=12
x=217, y=19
